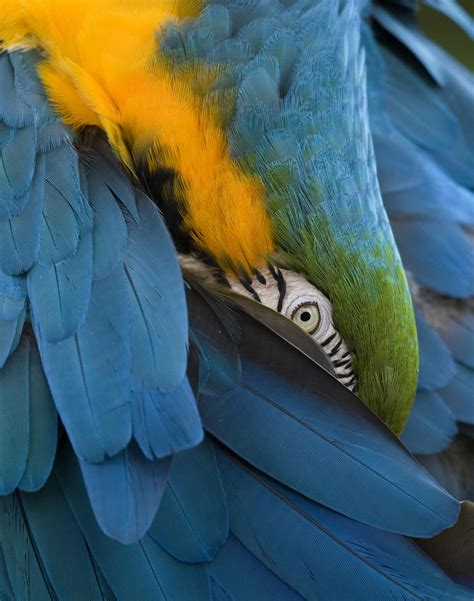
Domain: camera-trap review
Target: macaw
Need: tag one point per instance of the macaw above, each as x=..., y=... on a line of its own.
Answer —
x=208, y=341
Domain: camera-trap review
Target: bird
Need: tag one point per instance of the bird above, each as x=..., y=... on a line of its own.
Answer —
x=235, y=317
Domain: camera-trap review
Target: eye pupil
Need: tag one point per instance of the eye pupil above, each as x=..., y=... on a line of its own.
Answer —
x=305, y=316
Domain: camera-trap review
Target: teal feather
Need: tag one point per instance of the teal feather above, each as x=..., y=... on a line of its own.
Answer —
x=157, y=576
x=10, y=332
x=166, y=423
x=17, y=167
x=192, y=521
x=20, y=235
x=43, y=427
x=125, y=491
x=14, y=420
x=110, y=231
x=158, y=313
x=431, y=426
x=298, y=437
x=313, y=546
x=60, y=293
x=93, y=400
x=259, y=582
x=12, y=296
x=458, y=394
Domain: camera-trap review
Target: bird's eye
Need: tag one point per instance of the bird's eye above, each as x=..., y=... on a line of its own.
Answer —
x=307, y=317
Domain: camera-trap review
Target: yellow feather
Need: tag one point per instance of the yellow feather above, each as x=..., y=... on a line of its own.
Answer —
x=101, y=69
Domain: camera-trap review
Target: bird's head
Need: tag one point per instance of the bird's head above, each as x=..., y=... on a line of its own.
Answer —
x=268, y=161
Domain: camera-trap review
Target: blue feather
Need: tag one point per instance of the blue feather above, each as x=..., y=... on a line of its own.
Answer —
x=12, y=296
x=458, y=395
x=458, y=333
x=413, y=185
x=110, y=231
x=413, y=40
x=88, y=373
x=156, y=576
x=192, y=521
x=125, y=491
x=20, y=236
x=216, y=19
x=439, y=255
x=28, y=441
x=214, y=337
x=43, y=427
x=25, y=568
x=436, y=362
x=10, y=332
x=295, y=435
x=431, y=425
x=158, y=313
x=60, y=228
x=166, y=423
x=54, y=533
x=251, y=580
x=60, y=293
x=13, y=110
x=312, y=546
x=51, y=135
x=6, y=135
x=219, y=362
x=450, y=99
x=6, y=591
x=17, y=167
x=14, y=419
x=28, y=87
x=114, y=175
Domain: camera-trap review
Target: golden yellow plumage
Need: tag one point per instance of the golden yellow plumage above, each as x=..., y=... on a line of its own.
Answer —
x=101, y=69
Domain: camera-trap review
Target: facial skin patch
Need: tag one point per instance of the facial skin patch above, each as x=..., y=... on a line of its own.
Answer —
x=292, y=295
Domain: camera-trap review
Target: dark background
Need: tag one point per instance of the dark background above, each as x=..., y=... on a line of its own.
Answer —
x=448, y=35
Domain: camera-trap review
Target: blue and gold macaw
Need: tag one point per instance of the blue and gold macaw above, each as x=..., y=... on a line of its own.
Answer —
x=208, y=341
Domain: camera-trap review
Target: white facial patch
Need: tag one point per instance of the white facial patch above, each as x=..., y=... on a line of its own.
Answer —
x=292, y=295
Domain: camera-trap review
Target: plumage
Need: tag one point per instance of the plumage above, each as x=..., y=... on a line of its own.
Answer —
x=315, y=541
x=422, y=243
x=14, y=422
x=431, y=425
x=12, y=296
x=20, y=235
x=60, y=293
x=192, y=522
x=10, y=332
x=43, y=426
x=458, y=333
x=52, y=530
x=142, y=559
x=208, y=342
x=458, y=394
x=110, y=232
x=125, y=492
x=158, y=312
x=92, y=400
x=17, y=168
x=259, y=582
x=165, y=423
x=436, y=363
x=298, y=417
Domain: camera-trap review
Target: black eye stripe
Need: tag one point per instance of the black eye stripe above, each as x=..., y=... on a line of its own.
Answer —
x=342, y=363
x=260, y=277
x=328, y=340
x=248, y=286
x=336, y=348
x=281, y=282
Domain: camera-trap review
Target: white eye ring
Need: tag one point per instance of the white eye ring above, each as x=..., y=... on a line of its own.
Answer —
x=307, y=316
